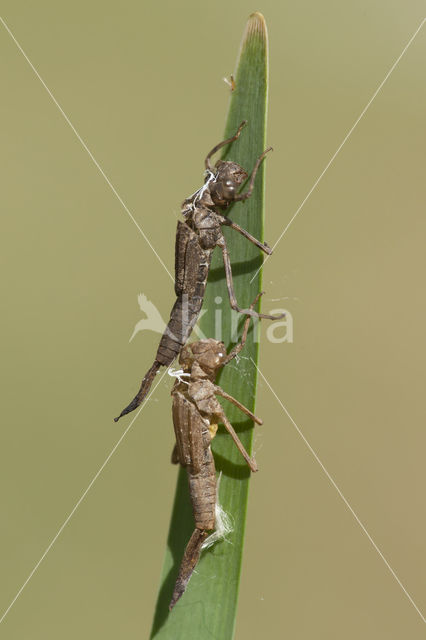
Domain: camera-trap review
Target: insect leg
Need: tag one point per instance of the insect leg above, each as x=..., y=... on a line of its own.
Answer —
x=247, y=194
x=230, y=429
x=222, y=144
x=263, y=246
x=220, y=392
x=230, y=286
x=239, y=346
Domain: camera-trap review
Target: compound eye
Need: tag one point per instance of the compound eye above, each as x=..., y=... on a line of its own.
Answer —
x=229, y=189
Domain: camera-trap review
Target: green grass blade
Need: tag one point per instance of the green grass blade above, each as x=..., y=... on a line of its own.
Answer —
x=208, y=608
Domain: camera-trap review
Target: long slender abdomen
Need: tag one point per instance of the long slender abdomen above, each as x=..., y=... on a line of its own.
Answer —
x=143, y=391
x=192, y=266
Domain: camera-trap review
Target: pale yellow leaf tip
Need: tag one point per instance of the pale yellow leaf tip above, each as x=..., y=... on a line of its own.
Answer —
x=256, y=26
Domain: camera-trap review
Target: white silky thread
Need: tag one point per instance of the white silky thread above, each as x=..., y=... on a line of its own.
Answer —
x=179, y=374
x=197, y=195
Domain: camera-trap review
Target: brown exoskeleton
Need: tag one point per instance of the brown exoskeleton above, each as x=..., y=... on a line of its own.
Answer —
x=196, y=414
x=196, y=239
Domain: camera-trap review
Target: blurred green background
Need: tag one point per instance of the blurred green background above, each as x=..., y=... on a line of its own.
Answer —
x=142, y=84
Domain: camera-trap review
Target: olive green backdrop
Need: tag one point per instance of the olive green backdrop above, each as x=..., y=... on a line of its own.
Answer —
x=142, y=84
